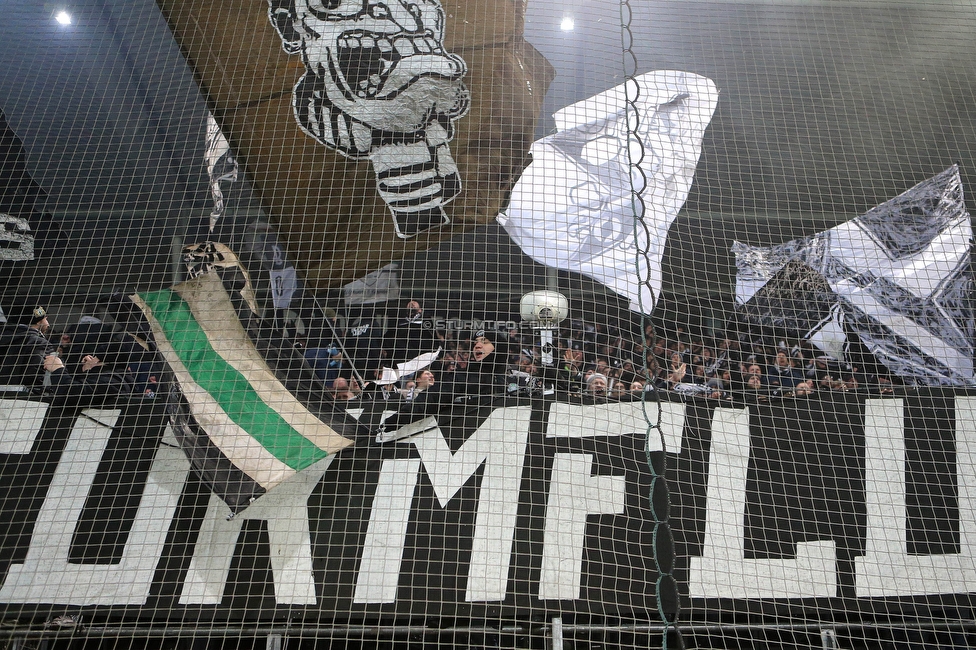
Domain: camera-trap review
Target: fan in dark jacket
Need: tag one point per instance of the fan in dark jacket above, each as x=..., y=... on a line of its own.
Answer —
x=94, y=380
x=486, y=374
x=23, y=348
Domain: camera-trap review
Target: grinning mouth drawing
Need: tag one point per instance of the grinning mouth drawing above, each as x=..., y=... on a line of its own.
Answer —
x=367, y=60
x=379, y=85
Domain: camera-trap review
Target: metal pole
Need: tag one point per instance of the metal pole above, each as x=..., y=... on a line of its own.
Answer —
x=557, y=633
x=828, y=639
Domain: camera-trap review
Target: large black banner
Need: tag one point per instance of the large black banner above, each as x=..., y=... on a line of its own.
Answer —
x=837, y=507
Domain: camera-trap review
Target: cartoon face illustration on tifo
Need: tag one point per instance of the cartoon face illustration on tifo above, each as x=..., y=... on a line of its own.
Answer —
x=379, y=85
x=596, y=193
x=582, y=184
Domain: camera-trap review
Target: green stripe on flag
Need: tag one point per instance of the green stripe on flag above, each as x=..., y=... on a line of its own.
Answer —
x=229, y=388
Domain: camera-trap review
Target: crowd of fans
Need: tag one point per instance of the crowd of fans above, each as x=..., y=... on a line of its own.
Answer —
x=89, y=360
x=589, y=359
x=414, y=359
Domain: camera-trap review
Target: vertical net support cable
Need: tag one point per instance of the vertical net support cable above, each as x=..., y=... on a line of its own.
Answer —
x=665, y=588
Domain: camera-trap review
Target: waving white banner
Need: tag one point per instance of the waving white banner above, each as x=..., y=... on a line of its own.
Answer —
x=574, y=208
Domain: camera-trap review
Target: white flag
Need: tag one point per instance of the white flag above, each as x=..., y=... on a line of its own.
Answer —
x=407, y=368
x=221, y=166
x=574, y=207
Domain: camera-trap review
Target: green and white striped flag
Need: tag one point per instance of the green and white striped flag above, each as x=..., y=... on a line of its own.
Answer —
x=249, y=417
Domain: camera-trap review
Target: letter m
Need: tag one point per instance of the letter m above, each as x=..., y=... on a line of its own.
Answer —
x=499, y=443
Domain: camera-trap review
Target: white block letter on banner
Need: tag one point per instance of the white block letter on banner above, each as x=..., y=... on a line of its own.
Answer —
x=723, y=571
x=573, y=494
x=886, y=568
x=286, y=512
x=46, y=576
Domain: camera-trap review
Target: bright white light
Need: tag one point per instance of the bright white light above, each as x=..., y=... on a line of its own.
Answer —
x=568, y=24
x=63, y=18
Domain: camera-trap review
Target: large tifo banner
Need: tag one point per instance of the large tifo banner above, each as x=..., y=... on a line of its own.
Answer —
x=841, y=507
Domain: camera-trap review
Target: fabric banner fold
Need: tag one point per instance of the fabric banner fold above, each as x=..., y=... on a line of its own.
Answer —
x=898, y=279
x=575, y=207
x=255, y=423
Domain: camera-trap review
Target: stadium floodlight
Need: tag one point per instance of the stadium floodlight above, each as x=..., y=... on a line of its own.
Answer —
x=544, y=310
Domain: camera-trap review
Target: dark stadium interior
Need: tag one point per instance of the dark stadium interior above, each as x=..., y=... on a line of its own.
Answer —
x=826, y=109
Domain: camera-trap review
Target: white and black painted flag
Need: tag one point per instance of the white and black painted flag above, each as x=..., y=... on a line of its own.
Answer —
x=20, y=198
x=575, y=206
x=899, y=278
x=221, y=167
